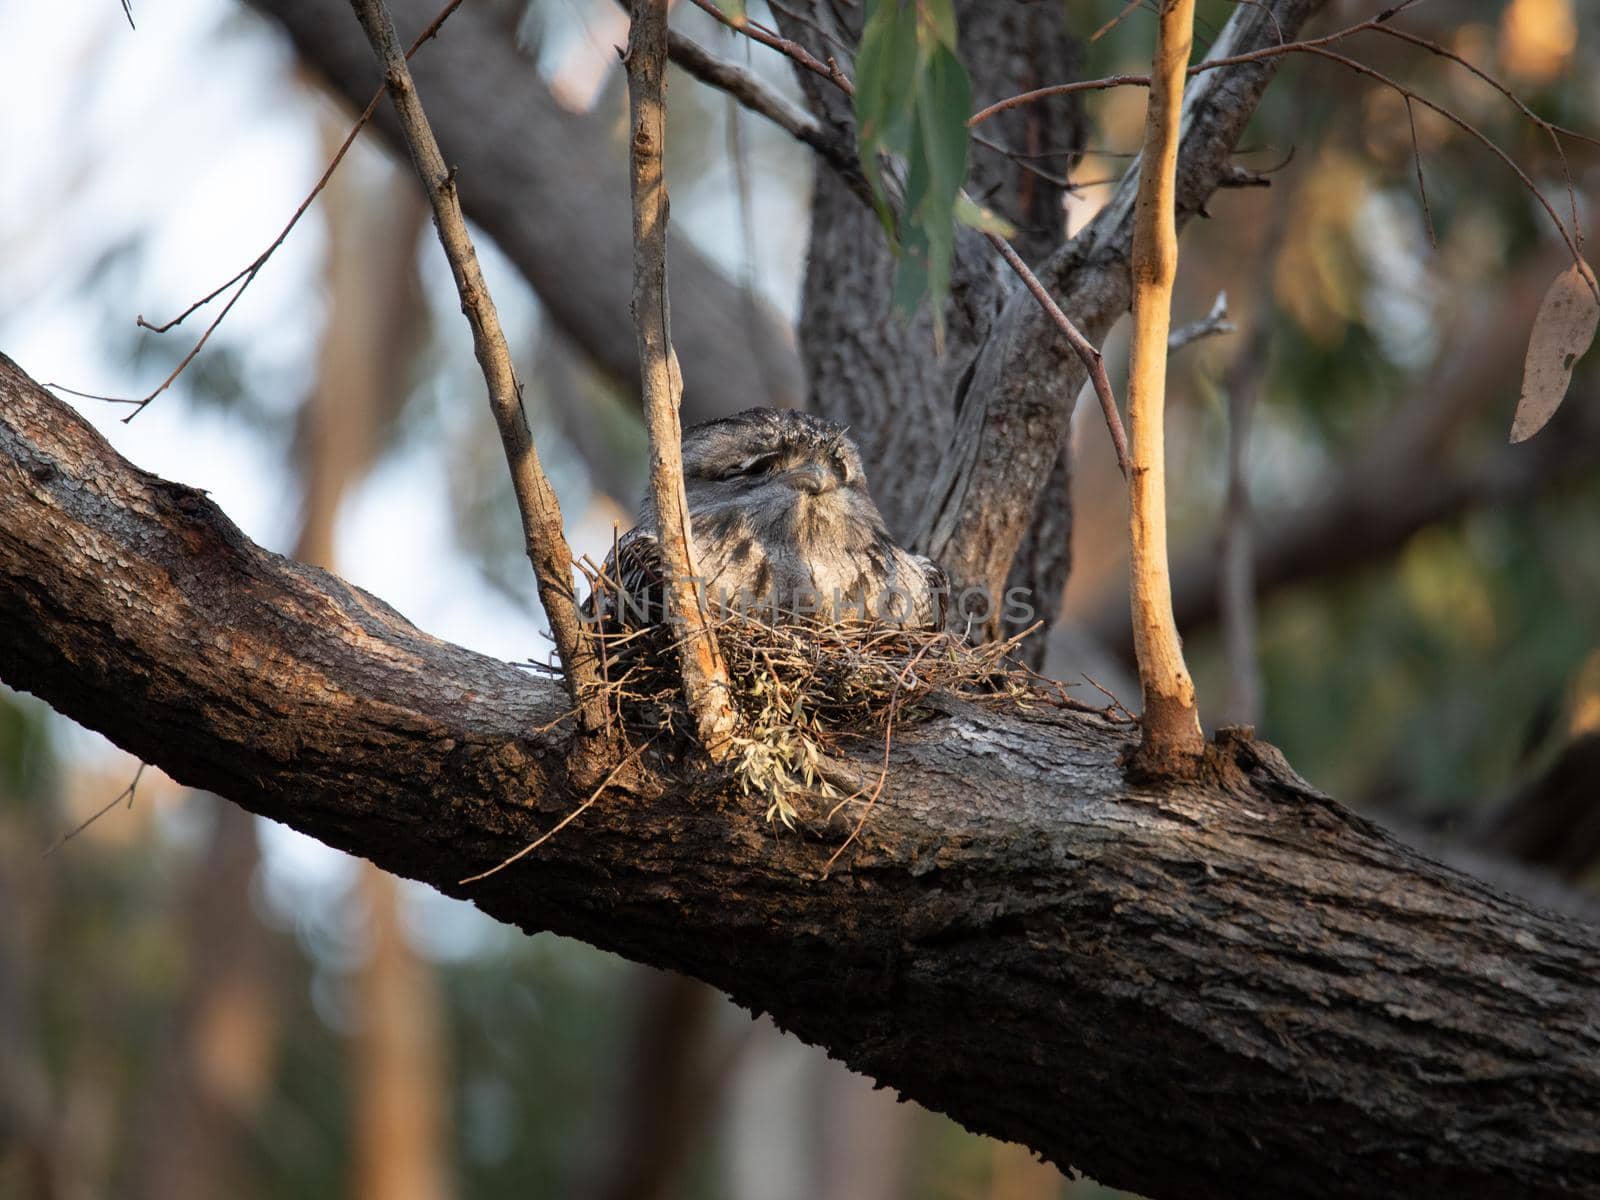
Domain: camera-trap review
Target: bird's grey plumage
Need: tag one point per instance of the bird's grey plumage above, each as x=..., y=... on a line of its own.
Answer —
x=782, y=521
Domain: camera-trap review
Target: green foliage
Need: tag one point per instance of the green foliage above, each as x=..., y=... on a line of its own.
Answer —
x=912, y=101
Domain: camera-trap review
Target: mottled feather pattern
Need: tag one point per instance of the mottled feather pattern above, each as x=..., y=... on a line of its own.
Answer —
x=782, y=523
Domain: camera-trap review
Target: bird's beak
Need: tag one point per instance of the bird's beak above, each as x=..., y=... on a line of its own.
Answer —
x=811, y=478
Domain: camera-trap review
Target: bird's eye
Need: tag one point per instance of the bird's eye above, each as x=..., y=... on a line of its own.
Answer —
x=759, y=465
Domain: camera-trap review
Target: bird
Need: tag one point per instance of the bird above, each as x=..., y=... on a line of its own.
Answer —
x=784, y=529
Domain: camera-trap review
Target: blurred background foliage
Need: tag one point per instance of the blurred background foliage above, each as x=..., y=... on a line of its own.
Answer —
x=196, y=1004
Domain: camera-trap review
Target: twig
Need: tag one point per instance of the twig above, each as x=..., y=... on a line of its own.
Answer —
x=126, y=793
x=787, y=46
x=1114, y=21
x=1213, y=324
x=1422, y=185
x=1171, y=740
x=1090, y=356
x=761, y=99
x=1573, y=238
x=1236, y=571
x=705, y=675
x=872, y=798
x=249, y=273
x=903, y=679
x=1473, y=131
x=565, y=821
x=1109, y=695
x=1210, y=64
x=1093, y=360
x=543, y=539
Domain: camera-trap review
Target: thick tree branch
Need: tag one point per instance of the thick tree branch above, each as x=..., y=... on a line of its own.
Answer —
x=1225, y=988
x=538, y=179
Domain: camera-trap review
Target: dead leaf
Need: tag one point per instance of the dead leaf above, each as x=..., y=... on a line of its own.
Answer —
x=1562, y=332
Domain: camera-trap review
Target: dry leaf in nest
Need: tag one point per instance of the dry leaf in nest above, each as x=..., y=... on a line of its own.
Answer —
x=805, y=688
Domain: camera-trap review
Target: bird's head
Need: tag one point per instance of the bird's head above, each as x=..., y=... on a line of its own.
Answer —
x=774, y=460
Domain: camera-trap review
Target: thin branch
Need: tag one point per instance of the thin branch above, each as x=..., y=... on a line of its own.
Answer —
x=705, y=676
x=1422, y=184
x=761, y=99
x=543, y=539
x=786, y=46
x=1114, y=21
x=1214, y=324
x=1093, y=361
x=248, y=274
x=1573, y=238
x=1056, y=89
x=572, y=816
x=126, y=793
x=1210, y=64
x=1090, y=356
x=1472, y=130
x=1172, y=741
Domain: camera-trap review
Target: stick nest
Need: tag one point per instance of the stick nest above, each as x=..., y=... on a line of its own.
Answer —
x=806, y=689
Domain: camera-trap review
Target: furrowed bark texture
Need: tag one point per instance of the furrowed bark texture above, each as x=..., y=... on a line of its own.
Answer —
x=1016, y=410
x=989, y=423
x=550, y=187
x=1230, y=988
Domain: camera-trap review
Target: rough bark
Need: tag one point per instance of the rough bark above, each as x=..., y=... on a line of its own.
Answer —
x=535, y=177
x=1016, y=410
x=1231, y=987
x=989, y=423
x=865, y=366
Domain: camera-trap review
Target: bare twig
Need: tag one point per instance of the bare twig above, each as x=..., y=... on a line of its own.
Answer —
x=126, y=793
x=1213, y=324
x=1093, y=360
x=1085, y=350
x=1474, y=132
x=761, y=99
x=248, y=274
x=543, y=539
x=705, y=676
x=1122, y=14
x=1210, y=64
x=786, y=46
x=1573, y=237
x=903, y=679
x=566, y=820
x=1422, y=184
x=1105, y=83
x=1236, y=550
x=1172, y=740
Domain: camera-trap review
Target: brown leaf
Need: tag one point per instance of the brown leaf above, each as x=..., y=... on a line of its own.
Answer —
x=1562, y=333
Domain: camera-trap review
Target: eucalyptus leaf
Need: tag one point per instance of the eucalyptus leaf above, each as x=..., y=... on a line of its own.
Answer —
x=912, y=101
